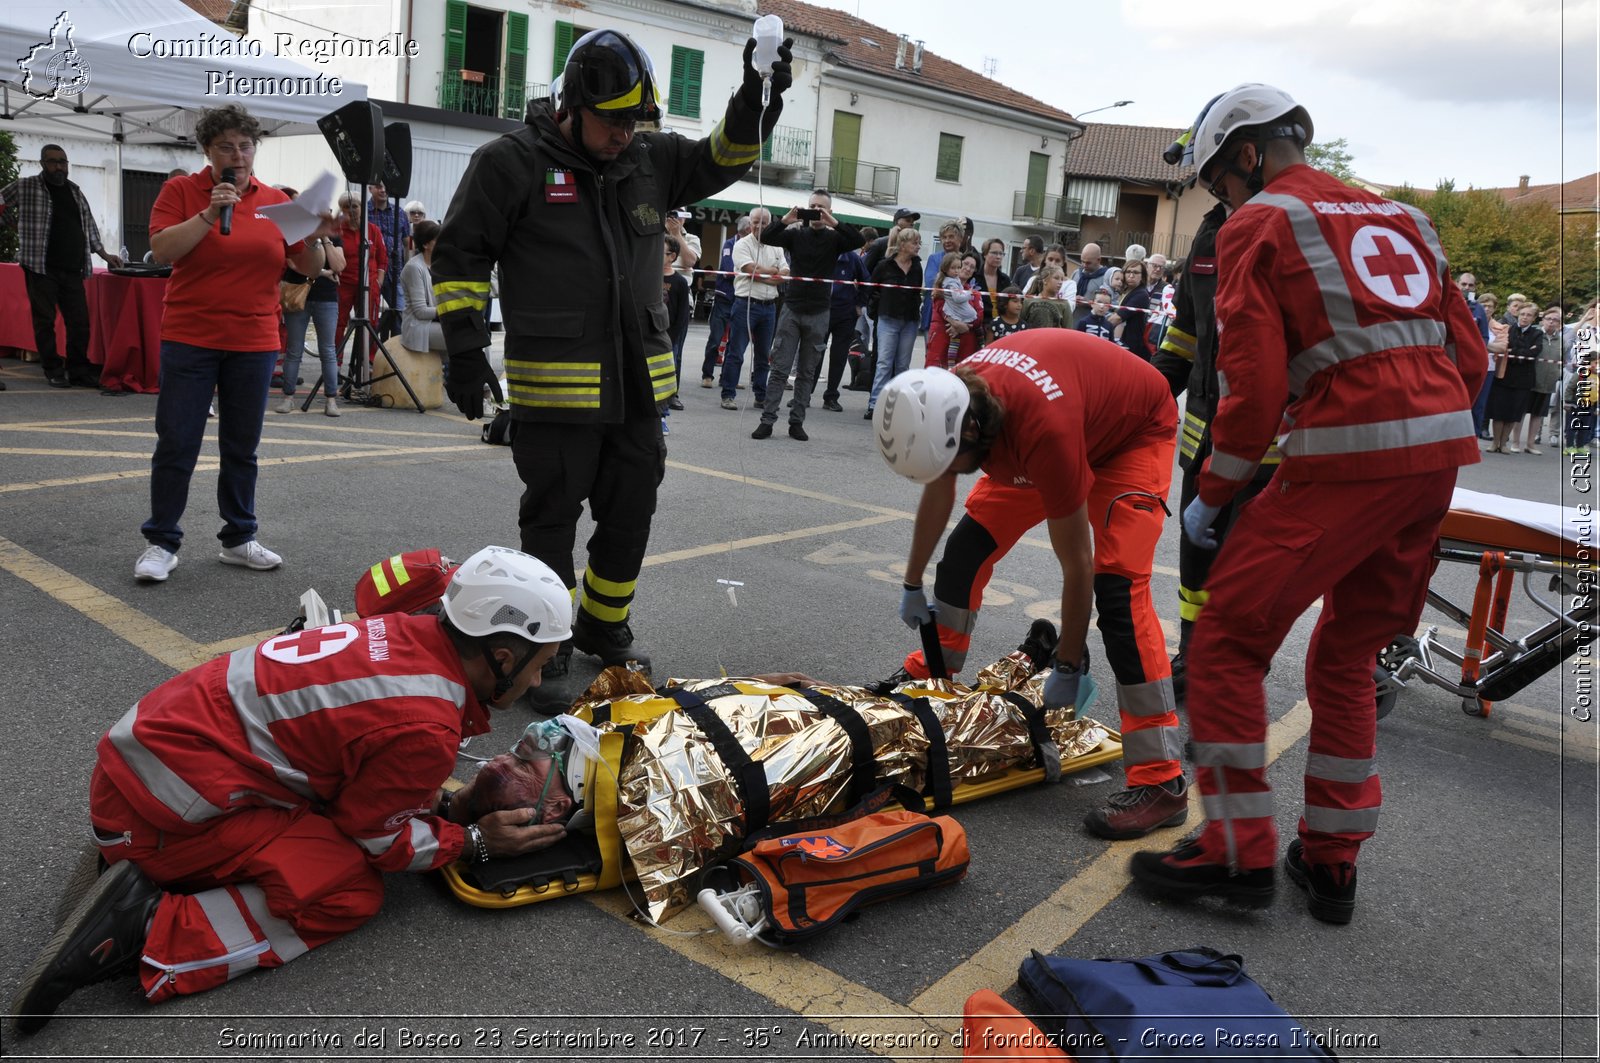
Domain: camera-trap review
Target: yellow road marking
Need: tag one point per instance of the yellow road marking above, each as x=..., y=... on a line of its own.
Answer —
x=210, y=465
x=1053, y=922
x=211, y=438
x=42, y=452
x=787, y=490
x=789, y=980
x=1575, y=747
x=764, y=540
x=172, y=648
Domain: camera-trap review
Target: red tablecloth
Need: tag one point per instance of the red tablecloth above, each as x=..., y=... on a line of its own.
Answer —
x=124, y=325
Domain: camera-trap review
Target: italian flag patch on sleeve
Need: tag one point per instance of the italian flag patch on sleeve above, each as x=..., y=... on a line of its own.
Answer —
x=560, y=186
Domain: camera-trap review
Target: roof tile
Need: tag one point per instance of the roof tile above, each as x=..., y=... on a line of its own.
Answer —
x=1125, y=153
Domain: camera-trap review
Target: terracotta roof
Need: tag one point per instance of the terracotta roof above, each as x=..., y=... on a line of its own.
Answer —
x=1582, y=193
x=1126, y=153
x=215, y=10
x=846, y=33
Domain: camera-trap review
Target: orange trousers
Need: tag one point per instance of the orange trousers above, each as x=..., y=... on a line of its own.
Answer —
x=1127, y=508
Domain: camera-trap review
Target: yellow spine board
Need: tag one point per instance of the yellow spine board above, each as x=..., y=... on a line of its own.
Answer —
x=601, y=799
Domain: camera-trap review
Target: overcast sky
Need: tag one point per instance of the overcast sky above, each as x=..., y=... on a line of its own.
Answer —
x=1423, y=90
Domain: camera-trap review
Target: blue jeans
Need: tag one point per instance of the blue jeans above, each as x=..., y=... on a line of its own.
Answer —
x=326, y=315
x=189, y=374
x=752, y=320
x=896, y=338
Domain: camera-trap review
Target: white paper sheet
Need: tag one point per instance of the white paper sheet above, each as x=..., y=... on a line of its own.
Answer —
x=299, y=218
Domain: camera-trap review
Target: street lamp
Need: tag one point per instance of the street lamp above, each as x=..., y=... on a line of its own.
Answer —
x=1107, y=107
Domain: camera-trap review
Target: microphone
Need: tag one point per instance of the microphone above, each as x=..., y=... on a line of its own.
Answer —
x=226, y=226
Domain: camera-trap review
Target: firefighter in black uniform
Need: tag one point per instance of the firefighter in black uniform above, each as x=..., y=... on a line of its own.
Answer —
x=1188, y=359
x=570, y=207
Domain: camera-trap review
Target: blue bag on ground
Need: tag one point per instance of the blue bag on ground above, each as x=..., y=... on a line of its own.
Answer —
x=1194, y=1004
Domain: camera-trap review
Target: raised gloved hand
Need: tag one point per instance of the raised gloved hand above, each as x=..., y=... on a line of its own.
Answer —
x=914, y=607
x=469, y=372
x=1197, y=518
x=782, y=73
x=1061, y=686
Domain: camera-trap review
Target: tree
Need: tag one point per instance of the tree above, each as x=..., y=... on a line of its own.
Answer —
x=1529, y=248
x=1333, y=157
x=8, y=173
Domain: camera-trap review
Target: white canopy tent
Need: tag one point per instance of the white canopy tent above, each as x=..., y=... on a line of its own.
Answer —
x=99, y=75
x=140, y=70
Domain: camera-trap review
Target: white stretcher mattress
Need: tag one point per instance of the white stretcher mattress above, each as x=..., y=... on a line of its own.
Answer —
x=1564, y=522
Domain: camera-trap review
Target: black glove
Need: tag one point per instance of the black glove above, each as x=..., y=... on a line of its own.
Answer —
x=782, y=73
x=469, y=372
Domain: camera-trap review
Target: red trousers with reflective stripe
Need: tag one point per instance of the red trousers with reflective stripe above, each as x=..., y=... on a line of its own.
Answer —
x=1363, y=547
x=1125, y=508
x=261, y=886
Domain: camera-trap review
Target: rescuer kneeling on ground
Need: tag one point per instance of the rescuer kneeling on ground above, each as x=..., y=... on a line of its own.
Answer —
x=1078, y=433
x=275, y=785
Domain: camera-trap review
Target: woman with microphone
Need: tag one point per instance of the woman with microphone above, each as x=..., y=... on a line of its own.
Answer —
x=219, y=332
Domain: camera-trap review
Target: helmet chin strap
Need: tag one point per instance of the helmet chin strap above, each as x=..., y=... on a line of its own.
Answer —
x=502, y=681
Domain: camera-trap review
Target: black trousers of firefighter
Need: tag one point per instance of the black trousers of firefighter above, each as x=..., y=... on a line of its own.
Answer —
x=617, y=469
x=1194, y=562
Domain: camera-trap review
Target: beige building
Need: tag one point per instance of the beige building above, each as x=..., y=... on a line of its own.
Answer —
x=1128, y=195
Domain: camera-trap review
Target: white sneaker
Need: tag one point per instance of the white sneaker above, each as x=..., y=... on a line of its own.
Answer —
x=287, y=405
x=332, y=408
x=249, y=555
x=155, y=564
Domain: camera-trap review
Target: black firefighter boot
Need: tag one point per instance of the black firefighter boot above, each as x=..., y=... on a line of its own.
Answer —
x=103, y=937
x=612, y=643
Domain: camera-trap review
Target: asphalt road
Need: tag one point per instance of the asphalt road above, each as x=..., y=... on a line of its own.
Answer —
x=1475, y=936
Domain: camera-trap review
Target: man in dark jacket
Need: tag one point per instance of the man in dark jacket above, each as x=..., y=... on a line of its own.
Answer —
x=814, y=246
x=571, y=208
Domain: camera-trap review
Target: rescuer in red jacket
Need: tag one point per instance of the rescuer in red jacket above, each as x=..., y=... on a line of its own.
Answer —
x=275, y=785
x=1339, y=327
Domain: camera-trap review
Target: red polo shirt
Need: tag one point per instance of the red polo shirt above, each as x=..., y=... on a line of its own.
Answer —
x=224, y=293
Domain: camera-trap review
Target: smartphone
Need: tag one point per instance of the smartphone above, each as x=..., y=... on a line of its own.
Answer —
x=807, y=214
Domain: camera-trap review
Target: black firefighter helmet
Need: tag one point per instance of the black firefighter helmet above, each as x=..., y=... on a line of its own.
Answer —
x=610, y=74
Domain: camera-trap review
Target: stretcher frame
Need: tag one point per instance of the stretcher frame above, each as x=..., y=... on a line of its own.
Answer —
x=1492, y=664
x=601, y=794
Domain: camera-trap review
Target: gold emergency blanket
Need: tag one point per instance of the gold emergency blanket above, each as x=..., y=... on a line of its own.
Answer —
x=679, y=805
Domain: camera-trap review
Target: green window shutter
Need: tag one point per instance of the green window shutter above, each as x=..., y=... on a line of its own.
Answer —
x=516, y=77
x=455, y=38
x=565, y=37
x=683, y=95
x=948, y=167
x=1038, y=171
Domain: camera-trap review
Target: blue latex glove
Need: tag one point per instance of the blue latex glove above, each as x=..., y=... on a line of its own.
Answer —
x=1197, y=520
x=1061, y=686
x=914, y=607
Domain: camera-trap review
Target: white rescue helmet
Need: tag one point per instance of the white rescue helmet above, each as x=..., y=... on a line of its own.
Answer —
x=1269, y=111
x=918, y=420
x=499, y=589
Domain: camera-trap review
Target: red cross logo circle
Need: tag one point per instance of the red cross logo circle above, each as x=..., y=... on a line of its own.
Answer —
x=1389, y=266
x=312, y=644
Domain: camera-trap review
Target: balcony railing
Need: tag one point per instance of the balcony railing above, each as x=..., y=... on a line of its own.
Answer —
x=462, y=90
x=788, y=146
x=1037, y=208
x=860, y=179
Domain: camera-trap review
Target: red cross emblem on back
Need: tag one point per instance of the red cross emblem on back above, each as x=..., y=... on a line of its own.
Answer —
x=1389, y=265
x=820, y=847
x=311, y=645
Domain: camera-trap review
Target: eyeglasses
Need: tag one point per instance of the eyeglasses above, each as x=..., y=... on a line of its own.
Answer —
x=621, y=125
x=248, y=147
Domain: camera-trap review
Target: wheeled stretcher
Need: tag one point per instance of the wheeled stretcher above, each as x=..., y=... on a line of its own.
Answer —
x=1550, y=550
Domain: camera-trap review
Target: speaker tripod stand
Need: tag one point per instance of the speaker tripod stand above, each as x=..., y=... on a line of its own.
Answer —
x=357, y=376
